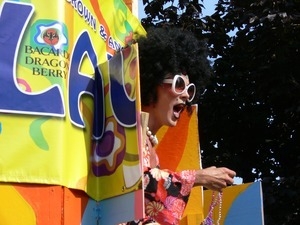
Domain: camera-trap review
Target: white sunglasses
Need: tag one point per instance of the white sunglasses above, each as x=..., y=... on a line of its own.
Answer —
x=179, y=87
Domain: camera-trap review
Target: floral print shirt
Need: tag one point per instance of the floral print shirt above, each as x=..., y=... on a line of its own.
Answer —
x=166, y=192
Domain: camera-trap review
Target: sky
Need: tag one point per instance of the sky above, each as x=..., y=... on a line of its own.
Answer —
x=208, y=4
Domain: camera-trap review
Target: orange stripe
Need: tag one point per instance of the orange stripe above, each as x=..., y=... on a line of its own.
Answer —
x=171, y=147
x=96, y=7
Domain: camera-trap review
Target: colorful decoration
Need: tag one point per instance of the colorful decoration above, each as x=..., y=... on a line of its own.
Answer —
x=240, y=204
x=64, y=136
x=182, y=154
x=216, y=201
x=61, y=118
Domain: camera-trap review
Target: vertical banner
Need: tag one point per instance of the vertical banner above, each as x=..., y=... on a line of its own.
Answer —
x=115, y=167
x=183, y=154
x=51, y=132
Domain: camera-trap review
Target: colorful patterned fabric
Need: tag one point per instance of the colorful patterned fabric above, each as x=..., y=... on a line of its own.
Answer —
x=166, y=192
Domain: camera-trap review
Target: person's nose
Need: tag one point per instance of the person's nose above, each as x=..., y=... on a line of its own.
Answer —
x=185, y=94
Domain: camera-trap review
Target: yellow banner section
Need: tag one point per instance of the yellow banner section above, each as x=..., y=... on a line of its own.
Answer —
x=60, y=120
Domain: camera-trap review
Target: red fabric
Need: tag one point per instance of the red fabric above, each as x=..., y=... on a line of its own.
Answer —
x=166, y=192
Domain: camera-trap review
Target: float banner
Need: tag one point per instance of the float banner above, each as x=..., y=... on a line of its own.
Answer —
x=64, y=119
x=240, y=204
x=39, y=204
x=187, y=148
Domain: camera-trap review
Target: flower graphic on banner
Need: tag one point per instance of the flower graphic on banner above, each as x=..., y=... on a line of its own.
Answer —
x=51, y=34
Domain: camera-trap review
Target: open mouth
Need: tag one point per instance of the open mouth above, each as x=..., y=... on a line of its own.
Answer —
x=177, y=109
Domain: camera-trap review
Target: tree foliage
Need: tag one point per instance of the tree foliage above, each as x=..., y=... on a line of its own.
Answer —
x=255, y=99
x=185, y=14
x=250, y=112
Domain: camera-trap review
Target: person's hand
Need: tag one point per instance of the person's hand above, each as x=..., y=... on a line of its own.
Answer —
x=214, y=178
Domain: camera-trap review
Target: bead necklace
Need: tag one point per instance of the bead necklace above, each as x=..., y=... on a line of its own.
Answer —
x=214, y=202
x=152, y=137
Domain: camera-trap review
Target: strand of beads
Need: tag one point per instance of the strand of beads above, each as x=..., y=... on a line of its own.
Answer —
x=152, y=137
x=220, y=207
x=214, y=202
